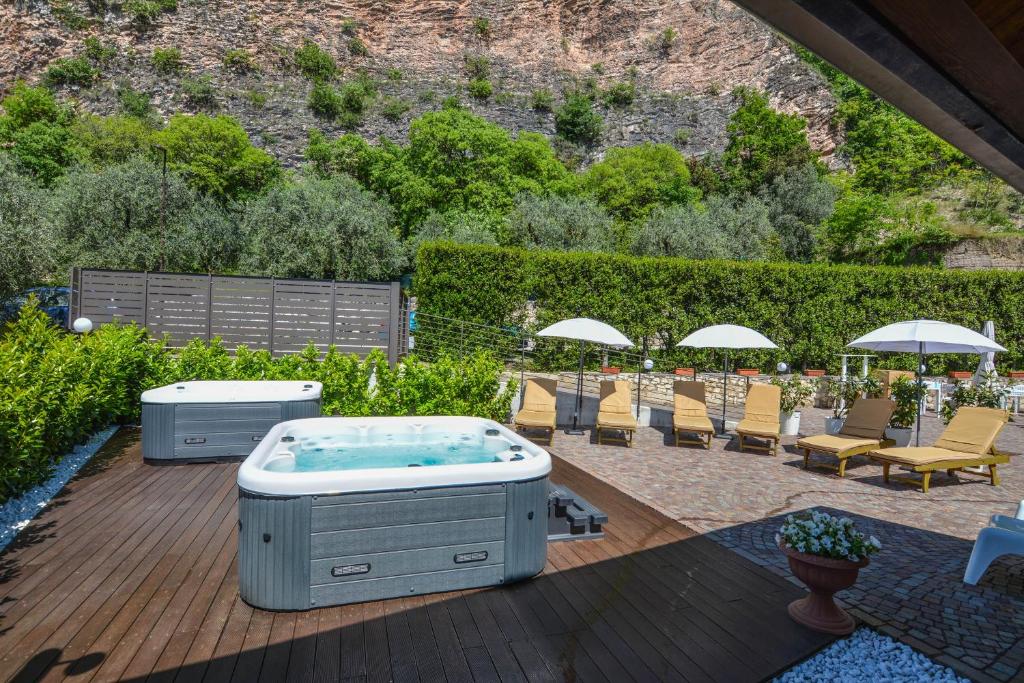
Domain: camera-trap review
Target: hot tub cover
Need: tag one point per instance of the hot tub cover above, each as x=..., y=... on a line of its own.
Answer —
x=234, y=392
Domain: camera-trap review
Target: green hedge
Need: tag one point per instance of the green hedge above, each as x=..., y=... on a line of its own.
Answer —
x=57, y=389
x=810, y=311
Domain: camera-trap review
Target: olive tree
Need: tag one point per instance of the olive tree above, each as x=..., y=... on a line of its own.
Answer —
x=724, y=227
x=560, y=223
x=27, y=243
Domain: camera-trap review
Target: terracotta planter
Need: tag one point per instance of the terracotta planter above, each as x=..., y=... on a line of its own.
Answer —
x=961, y=374
x=688, y=372
x=1016, y=374
x=823, y=576
x=749, y=372
x=611, y=371
x=814, y=373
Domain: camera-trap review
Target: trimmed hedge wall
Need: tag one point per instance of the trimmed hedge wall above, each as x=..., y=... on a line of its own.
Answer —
x=810, y=311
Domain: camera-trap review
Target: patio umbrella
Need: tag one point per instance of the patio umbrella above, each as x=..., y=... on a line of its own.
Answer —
x=584, y=330
x=923, y=337
x=987, y=364
x=727, y=337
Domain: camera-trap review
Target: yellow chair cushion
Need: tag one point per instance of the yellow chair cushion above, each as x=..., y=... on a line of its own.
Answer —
x=692, y=424
x=759, y=428
x=922, y=455
x=535, y=418
x=972, y=430
x=828, y=443
x=616, y=420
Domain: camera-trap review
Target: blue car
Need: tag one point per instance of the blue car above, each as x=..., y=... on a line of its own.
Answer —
x=53, y=301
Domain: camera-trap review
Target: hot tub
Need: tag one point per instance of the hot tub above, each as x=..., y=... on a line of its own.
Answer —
x=340, y=510
x=196, y=421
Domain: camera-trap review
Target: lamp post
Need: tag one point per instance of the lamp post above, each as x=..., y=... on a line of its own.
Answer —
x=163, y=208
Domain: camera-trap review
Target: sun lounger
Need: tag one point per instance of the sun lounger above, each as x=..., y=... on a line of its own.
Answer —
x=968, y=441
x=538, y=410
x=691, y=413
x=862, y=432
x=761, y=418
x=1003, y=536
x=615, y=412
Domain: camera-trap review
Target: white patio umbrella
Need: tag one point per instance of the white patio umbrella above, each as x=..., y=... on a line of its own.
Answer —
x=727, y=337
x=924, y=337
x=584, y=330
x=987, y=364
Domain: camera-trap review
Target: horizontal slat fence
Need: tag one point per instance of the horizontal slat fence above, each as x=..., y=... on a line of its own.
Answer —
x=278, y=315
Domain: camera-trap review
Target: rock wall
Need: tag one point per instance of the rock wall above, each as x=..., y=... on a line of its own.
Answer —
x=684, y=83
x=1002, y=253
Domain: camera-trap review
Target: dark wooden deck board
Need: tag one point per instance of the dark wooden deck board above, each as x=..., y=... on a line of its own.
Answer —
x=132, y=575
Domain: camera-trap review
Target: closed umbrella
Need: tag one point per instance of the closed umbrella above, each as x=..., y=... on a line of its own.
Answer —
x=584, y=330
x=924, y=337
x=987, y=364
x=727, y=337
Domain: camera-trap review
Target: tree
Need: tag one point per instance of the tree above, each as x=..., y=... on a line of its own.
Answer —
x=112, y=139
x=723, y=227
x=321, y=228
x=217, y=157
x=630, y=181
x=798, y=201
x=35, y=129
x=763, y=143
x=27, y=257
x=562, y=223
x=110, y=218
x=455, y=226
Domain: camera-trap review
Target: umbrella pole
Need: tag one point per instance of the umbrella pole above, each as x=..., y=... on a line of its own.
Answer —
x=725, y=386
x=579, y=394
x=920, y=393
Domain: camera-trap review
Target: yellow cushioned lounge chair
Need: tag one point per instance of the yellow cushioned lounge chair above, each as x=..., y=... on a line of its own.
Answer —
x=538, y=411
x=761, y=418
x=968, y=441
x=615, y=412
x=862, y=432
x=691, y=413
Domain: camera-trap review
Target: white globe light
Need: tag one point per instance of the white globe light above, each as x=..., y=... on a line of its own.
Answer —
x=648, y=364
x=782, y=368
x=82, y=325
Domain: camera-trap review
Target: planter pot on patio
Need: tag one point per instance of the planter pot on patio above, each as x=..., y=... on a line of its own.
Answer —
x=790, y=423
x=961, y=374
x=814, y=373
x=1016, y=374
x=823, y=576
x=749, y=372
x=901, y=436
x=610, y=370
x=688, y=372
x=834, y=424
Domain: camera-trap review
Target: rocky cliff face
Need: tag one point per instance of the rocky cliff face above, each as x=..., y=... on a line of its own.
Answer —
x=684, y=77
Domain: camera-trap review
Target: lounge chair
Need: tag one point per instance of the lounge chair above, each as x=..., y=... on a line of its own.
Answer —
x=1003, y=536
x=616, y=412
x=538, y=411
x=968, y=441
x=862, y=432
x=761, y=418
x=691, y=413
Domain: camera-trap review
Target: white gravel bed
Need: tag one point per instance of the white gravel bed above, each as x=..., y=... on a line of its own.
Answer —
x=871, y=657
x=16, y=513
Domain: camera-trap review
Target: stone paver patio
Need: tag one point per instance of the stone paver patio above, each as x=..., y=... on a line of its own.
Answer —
x=913, y=589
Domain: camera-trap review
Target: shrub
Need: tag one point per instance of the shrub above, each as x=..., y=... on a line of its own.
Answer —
x=167, y=60
x=199, y=92
x=723, y=227
x=31, y=248
x=562, y=223
x=542, y=100
x=577, y=122
x=325, y=101
x=666, y=39
x=257, y=98
x=681, y=136
x=812, y=311
x=349, y=27
x=68, y=15
x=71, y=71
x=134, y=103
x=145, y=13
x=357, y=48
x=395, y=75
x=477, y=66
x=327, y=229
x=630, y=181
x=216, y=156
x=394, y=108
x=36, y=130
x=240, y=60
x=456, y=226
x=480, y=88
x=620, y=94
x=112, y=139
x=97, y=51
x=482, y=28
x=314, y=62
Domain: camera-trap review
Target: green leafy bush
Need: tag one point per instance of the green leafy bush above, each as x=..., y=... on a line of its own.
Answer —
x=240, y=60
x=199, y=92
x=576, y=120
x=71, y=71
x=136, y=104
x=630, y=181
x=325, y=101
x=542, y=100
x=810, y=311
x=720, y=228
x=620, y=94
x=394, y=108
x=477, y=66
x=356, y=47
x=482, y=28
x=145, y=13
x=561, y=223
x=167, y=60
x=480, y=88
x=31, y=247
x=36, y=130
x=112, y=139
x=98, y=51
x=314, y=62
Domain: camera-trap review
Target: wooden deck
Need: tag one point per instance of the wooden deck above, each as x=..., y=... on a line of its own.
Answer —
x=131, y=575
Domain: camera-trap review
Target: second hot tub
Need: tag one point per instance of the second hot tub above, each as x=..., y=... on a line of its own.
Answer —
x=341, y=510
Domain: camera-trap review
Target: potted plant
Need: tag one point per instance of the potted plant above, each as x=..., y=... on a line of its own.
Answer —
x=905, y=395
x=825, y=553
x=795, y=393
x=988, y=393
